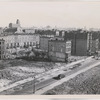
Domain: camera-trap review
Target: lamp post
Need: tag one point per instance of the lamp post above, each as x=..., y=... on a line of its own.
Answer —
x=34, y=85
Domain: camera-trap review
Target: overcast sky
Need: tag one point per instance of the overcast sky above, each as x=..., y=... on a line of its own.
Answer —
x=61, y=14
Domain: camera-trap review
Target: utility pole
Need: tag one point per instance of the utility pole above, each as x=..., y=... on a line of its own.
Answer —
x=34, y=85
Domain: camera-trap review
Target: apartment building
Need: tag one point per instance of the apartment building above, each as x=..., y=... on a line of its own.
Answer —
x=16, y=40
x=59, y=49
x=2, y=49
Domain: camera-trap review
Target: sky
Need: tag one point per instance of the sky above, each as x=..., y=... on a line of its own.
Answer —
x=61, y=13
x=48, y=98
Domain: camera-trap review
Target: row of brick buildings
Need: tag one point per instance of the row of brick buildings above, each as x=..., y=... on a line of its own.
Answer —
x=70, y=43
x=58, y=49
x=58, y=44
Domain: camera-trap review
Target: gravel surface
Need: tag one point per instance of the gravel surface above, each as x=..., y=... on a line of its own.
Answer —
x=84, y=83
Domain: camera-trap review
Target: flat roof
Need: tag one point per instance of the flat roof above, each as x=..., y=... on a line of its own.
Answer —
x=10, y=33
x=60, y=40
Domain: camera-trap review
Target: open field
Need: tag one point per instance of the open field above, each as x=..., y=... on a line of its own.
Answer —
x=85, y=83
x=17, y=69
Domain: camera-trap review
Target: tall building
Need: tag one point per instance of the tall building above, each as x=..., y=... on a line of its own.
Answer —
x=83, y=42
x=59, y=50
x=44, y=43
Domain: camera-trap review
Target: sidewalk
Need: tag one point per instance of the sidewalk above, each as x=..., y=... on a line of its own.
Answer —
x=42, y=76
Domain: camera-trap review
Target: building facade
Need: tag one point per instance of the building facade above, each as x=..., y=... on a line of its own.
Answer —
x=83, y=42
x=59, y=50
x=44, y=43
x=28, y=30
x=2, y=49
x=17, y=40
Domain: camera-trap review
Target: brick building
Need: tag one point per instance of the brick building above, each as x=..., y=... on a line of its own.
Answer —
x=59, y=50
x=83, y=42
x=44, y=43
x=2, y=48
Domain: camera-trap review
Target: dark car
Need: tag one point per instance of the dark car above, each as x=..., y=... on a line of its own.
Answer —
x=60, y=76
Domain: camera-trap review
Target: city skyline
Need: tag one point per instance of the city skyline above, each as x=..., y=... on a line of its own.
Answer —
x=60, y=14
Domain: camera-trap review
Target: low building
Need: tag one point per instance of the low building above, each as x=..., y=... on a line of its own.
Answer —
x=19, y=41
x=16, y=40
x=29, y=30
x=59, y=50
x=44, y=43
x=2, y=49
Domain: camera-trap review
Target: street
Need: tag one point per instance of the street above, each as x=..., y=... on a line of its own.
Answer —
x=47, y=82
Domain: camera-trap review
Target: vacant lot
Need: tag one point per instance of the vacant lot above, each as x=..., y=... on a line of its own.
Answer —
x=85, y=83
x=16, y=70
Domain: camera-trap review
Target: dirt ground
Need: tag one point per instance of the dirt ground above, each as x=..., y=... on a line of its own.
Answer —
x=15, y=70
x=84, y=83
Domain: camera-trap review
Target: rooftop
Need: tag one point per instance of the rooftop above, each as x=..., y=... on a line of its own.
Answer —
x=12, y=30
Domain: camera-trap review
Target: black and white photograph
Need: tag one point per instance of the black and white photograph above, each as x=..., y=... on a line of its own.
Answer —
x=50, y=47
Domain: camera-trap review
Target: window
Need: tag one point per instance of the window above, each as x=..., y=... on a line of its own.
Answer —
x=24, y=43
x=14, y=45
x=11, y=45
x=27, y=43
x=17, y=44
x=2, y=42
x=61, y=50
x=30, y=43
x=52, y=48
x=7, y=46
x=33, y=43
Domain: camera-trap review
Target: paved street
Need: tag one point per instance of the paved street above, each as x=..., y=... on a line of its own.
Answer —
x=47, y=82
